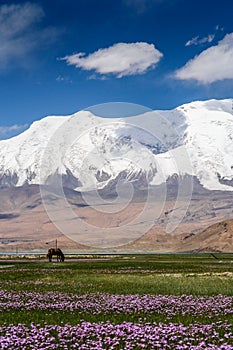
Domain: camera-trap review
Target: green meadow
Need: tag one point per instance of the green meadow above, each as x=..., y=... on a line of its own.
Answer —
x=153, y=274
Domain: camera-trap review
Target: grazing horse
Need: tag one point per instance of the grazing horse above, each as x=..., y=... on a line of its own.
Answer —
x=57, y=252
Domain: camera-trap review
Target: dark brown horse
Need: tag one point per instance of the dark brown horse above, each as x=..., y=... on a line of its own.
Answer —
x=57, y=252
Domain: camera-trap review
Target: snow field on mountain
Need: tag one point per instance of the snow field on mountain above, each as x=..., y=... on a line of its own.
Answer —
x=194, y=139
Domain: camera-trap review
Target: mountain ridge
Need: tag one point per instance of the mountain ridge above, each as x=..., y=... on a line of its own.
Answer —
x=88, y=151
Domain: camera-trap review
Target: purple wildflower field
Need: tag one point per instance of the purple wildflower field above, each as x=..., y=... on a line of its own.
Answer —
x=126, y=335
x=97, y=303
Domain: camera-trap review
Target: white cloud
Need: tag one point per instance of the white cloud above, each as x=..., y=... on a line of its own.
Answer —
x=65, y=79
x=218, y=27
x=16, y=18
x=213, y=64
x=8, y=131
x=19, y=33
x=206, y=39
x=121, y=59
x=192, y=41
x=198, y=41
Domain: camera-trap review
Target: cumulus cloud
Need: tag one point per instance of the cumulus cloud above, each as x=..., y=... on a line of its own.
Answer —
x=199, y=41
x=19, y=32
x=121, y=59
x=213, y=64
x=8, y=131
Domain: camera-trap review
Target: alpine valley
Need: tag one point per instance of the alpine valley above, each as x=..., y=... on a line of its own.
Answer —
x=174, y=166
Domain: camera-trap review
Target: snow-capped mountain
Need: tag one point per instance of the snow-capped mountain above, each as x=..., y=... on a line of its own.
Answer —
x=87, y=151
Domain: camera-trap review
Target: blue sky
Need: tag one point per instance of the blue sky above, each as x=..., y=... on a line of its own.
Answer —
x=58, y=57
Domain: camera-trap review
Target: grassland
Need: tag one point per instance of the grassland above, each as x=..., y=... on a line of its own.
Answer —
x=187, y=277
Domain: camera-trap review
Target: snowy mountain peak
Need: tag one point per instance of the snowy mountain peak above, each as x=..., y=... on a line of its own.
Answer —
x=89, y=152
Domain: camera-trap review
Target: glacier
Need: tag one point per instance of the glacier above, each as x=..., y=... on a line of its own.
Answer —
x=88, y=152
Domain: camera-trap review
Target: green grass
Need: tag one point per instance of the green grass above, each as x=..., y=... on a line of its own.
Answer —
x=197, y=274
x=62, y=317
